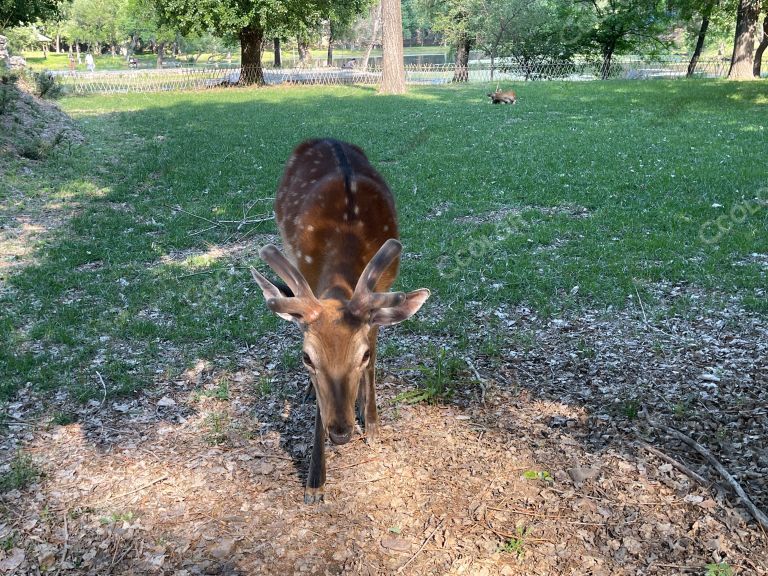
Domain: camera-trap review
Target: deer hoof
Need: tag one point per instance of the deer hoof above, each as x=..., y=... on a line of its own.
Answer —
x=313, y=495
x=371, y=433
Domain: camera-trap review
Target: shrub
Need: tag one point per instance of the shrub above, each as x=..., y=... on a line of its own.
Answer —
x=47, y=85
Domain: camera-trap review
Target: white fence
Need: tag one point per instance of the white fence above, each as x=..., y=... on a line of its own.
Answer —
x=198, y=78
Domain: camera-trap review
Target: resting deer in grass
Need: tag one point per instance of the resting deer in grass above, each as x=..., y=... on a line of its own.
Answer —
x=337, y=220
x=499, y=97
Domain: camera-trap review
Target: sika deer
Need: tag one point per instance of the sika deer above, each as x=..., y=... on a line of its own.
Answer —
x=337, y=220
x=499, y=97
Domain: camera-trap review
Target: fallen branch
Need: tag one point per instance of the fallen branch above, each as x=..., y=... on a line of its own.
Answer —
x=679, y=465
x=480, y=379
x=139, y=489
x=104, y=389
x=423, y=544
x=757, y=514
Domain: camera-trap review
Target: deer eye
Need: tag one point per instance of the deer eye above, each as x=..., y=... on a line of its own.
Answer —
x=308, y=361
x=366, y=357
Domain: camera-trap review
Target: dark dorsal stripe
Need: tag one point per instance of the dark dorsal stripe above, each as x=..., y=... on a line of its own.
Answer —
x=342, y=160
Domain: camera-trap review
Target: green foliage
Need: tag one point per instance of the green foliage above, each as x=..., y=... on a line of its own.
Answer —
x=542, y=475
x=8, y=92
x=16, y=12
x=216, y=426
x=516, y=544
x=21, y=474
x=117, y=518
x=220, y=392
x=438, y=381
x=720, y=569
x=63, y=418
x=47, y=85
x=20, y=38
x=96, y=21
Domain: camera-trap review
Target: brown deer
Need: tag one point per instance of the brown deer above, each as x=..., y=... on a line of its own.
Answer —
x=337, y=219
x=499, y=97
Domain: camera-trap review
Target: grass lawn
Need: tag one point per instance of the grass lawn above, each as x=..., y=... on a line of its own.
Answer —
x=581, y=196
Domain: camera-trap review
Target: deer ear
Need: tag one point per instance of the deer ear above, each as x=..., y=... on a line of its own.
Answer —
x=395, y=314
x=271, y=294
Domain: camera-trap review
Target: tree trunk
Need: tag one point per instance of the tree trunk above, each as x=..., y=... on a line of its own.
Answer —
x=374, y=32
x=605, y=71
x=58, y=42
x=160, y=53
x=329, y=59
x=699, y=42
x=742, y=59
x=278, y=55
x=461, y=69
x=305, y=57
x=251, y=71
x=761, y=49
x=392, y=66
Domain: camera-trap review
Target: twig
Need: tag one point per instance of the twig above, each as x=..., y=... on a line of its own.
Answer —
x=245, y=221
x=679, y=465
x=180, y=209
x=642, y=309
x=757, y=514
x=480, y=379
x=427, y=539
x=66, y=540
x=139, y=489
x=116, y=561
x=104, y=388
x=354, y=464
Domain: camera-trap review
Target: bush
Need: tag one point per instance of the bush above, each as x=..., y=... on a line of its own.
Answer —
x=8, y=90
x=47, y=85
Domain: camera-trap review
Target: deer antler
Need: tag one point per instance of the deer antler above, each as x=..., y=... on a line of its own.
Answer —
x=364, y=299
x=303, y=305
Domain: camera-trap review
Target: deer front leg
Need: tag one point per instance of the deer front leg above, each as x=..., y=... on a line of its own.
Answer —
x=314, y=491
x=368, y=402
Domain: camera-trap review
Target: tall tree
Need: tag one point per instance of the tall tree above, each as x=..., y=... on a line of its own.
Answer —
x=453, y=19
x=248, y=20
x=756, y=68
x=743, y=56
x=621, y=26
x=393, y=66
x=706, y=15
x=375, y=17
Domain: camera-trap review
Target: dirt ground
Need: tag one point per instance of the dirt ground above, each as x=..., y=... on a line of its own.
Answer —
x=534, y=472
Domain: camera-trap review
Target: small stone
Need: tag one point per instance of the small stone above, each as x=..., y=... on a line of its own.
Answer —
x=166, y=402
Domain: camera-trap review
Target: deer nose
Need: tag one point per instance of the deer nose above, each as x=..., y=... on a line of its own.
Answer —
x=340, y=435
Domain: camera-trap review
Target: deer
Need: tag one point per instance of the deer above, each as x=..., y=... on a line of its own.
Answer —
x=337, y=221
x=499, y=97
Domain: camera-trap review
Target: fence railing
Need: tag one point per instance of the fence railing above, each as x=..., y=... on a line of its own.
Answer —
x=518, y=70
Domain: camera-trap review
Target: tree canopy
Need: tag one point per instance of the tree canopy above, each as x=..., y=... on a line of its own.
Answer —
x=18, y=12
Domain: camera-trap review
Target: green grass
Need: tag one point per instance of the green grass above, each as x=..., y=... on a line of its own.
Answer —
x=21, y=473
x=600, y=186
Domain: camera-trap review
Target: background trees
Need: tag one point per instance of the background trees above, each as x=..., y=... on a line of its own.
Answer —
x=530, y=33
